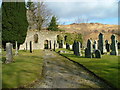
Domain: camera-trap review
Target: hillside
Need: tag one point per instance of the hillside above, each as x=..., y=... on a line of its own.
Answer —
x=91, y=30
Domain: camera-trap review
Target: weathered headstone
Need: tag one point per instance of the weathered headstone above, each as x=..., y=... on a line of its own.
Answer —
x=9, y=56
x=97, y=54
x=118, y=45
x=95, y=46
x=30, y=46
x=16, y=52
x=114, y=46
x=101, y=45
x=50, y=44
x=88, y=50
x=67, y=46
x=107, y=45
x=54, y=45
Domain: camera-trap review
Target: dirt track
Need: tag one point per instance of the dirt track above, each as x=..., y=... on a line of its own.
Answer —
x=62, y=73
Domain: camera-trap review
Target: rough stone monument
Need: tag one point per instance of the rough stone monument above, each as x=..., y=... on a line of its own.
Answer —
x=95, y=46
x=101, y=45
x=88, y=50
x=114, y=47
x=67, y=46
x=97, y=54
x=30, y=46
x=16, y=52
x=9, y=55
x=107, y=45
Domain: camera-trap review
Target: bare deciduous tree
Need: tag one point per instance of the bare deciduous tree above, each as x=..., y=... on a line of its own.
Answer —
x=39, y=15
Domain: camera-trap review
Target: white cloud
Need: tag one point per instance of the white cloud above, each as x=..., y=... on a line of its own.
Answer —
x=89, y=8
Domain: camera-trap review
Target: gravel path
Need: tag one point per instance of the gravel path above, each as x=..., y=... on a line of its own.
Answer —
x=62, y=73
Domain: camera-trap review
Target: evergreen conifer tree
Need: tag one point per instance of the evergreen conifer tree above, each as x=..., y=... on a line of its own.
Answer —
x=53, y=24
x=14, y=22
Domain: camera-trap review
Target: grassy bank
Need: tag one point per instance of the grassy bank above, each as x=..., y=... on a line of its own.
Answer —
x=107, y=67
x=25, y=70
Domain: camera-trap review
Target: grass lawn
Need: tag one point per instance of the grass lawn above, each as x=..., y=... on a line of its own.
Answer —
x=107, y=67
x=24, y=71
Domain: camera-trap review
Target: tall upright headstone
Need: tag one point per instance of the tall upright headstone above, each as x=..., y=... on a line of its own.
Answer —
x=114, y=47
x=54, y=45
x=101, y=45
x=107, y=46
x=95, y=46
x=16, y=47
x=50, y=44
x=9, y=55
x=88, y=50
x=30, y=46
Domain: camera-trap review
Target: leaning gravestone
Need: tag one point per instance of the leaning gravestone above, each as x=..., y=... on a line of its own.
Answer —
x=101, y=45
x=89, y=49
x=9, y=56
x=30, y=46
x=114, y=46
x=16, y=52
x=97, y=54
x=107, y=45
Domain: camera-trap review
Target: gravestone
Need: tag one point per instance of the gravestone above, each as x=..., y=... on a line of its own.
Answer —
x=30, y=46
x=95, y=45
x=67, y=46
x=50, y=44
x=79, y=49
x=107, y=45
x=97, y=54
x=74, y=46
x=101, y=45
x=88, y=50
x=114, y=47
x=54, y=45
x=118, y=45
x=16, y=52
x=26, y=45
x=9, y=56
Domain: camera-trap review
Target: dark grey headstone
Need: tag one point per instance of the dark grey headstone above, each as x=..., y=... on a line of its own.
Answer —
x=97, y=54
x=30, y=46
x=114, y=47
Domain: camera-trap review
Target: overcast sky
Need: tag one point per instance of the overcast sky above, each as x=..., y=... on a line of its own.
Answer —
x=101, y=11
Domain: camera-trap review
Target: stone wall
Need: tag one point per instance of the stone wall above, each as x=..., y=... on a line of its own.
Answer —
x=42, y=37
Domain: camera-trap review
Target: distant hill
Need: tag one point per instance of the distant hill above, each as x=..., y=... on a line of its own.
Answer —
x=92, y=30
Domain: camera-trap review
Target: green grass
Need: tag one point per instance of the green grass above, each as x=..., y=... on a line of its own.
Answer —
x=107, y=67
x=24, y=71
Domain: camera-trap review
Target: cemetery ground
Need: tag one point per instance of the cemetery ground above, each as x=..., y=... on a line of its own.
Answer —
x=106, y=67
x=25, y=70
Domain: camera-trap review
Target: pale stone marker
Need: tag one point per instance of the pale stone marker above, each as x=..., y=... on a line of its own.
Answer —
x=9, y=56
x=16, y=52
x=97, y=54
x=114, y=46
